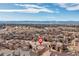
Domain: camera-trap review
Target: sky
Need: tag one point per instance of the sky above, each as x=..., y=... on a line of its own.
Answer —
x=39, y=11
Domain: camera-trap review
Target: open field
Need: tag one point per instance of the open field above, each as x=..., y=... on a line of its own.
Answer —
x=22, y=40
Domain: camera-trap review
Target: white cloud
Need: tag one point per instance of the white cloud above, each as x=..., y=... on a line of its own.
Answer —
x=29, y=8
x=11, y=10
x=35, y=8
x=51, y=17
x=69, y=6
x=28, y=5
x=73, y=8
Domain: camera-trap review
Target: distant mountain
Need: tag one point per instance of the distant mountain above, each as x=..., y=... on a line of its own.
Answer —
x=40, y=22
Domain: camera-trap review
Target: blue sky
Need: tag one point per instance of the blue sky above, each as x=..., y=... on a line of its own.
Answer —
x=39, y=11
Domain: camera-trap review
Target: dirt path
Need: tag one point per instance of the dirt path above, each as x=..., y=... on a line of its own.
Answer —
x=46, y=53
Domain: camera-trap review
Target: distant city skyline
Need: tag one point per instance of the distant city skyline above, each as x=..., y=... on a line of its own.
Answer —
x=39, y=11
